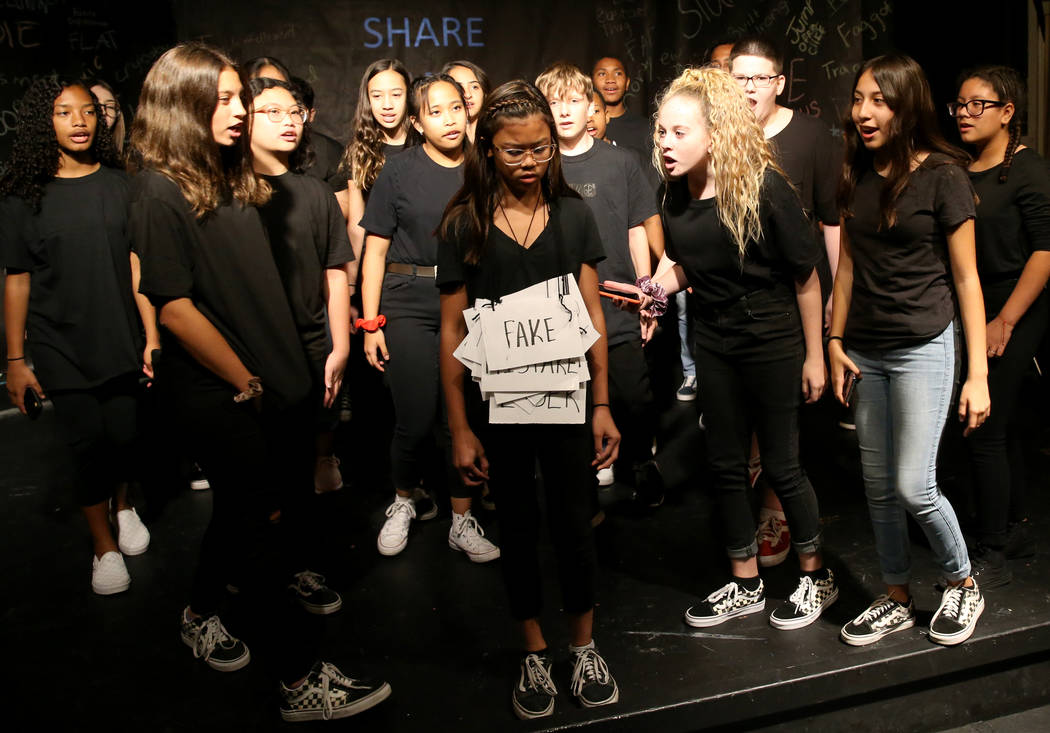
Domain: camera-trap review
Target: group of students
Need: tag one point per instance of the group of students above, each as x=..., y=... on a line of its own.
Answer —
x=227, y=272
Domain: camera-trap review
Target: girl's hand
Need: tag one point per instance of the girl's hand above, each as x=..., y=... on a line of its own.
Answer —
x=334, y=368
x=606, y=438
x=814, y=378
x=375, y=349
x=147, y=357
x=998, y=336
x=975, y=404
x=648, y=324
x=20, y=376
x=468, y=456
x=838, y=365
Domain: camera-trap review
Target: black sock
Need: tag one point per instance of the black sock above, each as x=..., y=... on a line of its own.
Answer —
x=818, y=574
x=748, y=584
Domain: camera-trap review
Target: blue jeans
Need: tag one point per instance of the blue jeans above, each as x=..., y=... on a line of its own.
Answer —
x=685, y=347
x=902, y=404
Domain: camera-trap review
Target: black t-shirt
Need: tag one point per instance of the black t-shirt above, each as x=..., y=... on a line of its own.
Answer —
x=697, y=241
x=407, y=202
x=224, y=264
x=611, y=182
x=328, y=155
x=307, y=235
x=1013, y=218
x=569, y=240
x=82, y=326
x=630, y=130
x=812, y=159
x=902, y=289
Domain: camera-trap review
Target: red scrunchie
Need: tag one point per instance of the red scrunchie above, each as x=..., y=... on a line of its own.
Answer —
x=371, y=326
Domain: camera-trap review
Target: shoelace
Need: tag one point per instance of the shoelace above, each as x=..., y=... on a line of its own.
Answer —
x=726, y=594
x=590, y=667
x=804, y=594
x=401, y=506
x=310, y=580
x=328, y=674
x=881, y=606
x=770, y=529
x=470, y=529
x=538, y=677
x=953, y=602
x=211, y=632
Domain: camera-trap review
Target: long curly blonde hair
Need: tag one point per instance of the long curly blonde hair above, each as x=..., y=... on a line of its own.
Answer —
x=740, y=153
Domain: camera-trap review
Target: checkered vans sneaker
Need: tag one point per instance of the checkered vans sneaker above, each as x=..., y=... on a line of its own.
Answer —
x=533, y=696
x=773, y=537
x=328, y=694
x=210, y=641
x=805, y=605
x=314, y=595
x=591, y=682
x=884, y=616
x=729, y=601
x=956, y=617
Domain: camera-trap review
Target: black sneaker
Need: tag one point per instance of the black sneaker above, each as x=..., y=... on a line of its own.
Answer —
x=426, y=507
x=534, y=694
x=328, y=694
x=1018, y=543
x=729, y=601
x=210, y=641
x=313, y=594
x=990, y=567
x=592, y=684
x=956, y=617
x=805, y=605
x=884, y=616
x=649, y=485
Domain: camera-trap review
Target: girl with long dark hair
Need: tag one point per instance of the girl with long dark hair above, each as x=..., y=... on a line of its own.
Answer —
x=476, y=86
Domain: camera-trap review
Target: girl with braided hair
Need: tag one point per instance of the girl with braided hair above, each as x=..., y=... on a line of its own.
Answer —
x=516, y=222
x=1013, y=259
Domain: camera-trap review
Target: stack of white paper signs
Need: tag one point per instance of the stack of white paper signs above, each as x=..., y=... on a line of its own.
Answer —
x=528, y=350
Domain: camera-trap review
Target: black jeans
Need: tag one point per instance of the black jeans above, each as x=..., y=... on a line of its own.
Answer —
x=995, y=447
x=564, y=453
x=750, y=356
x=632, y=401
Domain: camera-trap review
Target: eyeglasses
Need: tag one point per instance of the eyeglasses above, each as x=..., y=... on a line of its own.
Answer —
x=111, y=108
x=277, y=114
x=761, y=81
x=516, y=156
x=974, y=108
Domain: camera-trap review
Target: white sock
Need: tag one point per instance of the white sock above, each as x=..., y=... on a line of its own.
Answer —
x=578, y=649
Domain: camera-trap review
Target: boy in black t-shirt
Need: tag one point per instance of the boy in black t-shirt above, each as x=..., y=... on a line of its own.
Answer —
x=610, y=79
x=610, y=180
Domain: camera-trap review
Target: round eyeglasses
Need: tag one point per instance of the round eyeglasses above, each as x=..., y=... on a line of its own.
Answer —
x=277, y=114
x=516, y=156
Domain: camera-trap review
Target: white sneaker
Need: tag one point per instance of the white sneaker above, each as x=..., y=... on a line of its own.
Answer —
x=466, y=535
x=394, y=535
x=109, y=575
x=606, y=477
x=132, y=535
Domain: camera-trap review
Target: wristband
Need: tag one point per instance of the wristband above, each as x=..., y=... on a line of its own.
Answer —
x=16, y=358
x=371, y=326
x=254, y=390
x=600, y=404
x=655, y=291
x=835, y=338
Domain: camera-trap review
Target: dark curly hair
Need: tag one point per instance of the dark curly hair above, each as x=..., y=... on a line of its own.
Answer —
x=35, y=155
x=363, y=157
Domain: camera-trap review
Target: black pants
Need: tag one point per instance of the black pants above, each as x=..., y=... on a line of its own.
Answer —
x=750, y=355
x=412, y=332
x=632, y=402
x=99, y=426
x=995, y=448
x=564, y=453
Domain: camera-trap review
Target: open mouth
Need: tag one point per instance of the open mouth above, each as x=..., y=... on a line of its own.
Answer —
x=80, y=137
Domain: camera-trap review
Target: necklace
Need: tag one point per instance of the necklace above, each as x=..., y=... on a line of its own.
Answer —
x=513, y=234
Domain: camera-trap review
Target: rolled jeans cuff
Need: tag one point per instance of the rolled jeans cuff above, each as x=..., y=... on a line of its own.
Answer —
x=807, y=547
x=743, y=553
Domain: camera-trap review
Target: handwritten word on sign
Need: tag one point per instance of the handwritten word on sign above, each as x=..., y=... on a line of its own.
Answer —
x=528, y=331
x=552, y=408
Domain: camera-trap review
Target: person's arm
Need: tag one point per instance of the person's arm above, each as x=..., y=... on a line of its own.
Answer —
x=838, y=362
x=203, y=342
x=373, y=267
x=831, y=246
x=654, y=233
x=16, y=309
x=148, y=314
x=343, y=199
x=671, y=275
x=337, y=295
x=606, y=436
x=1031, y=283
x=468, y=455
x=974, y=401
x=814, y=376
x=638, y=246
x=354, y=230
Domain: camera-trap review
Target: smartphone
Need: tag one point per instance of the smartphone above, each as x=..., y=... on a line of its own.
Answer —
x=32, y=403
x=849, y=385
x=610, y=291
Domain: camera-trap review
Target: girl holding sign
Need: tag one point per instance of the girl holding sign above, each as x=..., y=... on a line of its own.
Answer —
x=398, y=268
x=514, y=223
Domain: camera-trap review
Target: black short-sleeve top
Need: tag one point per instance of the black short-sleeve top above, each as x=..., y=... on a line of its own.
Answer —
x=695, y=238
x=406, y=204
x=82, y=326
x=902, y=286
x=812, y=159
x=569, y=241
x=224, y=264
x=327, y=165
x=1013, y=218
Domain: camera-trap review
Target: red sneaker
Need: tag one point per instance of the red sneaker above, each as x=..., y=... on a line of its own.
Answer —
x=774, y=538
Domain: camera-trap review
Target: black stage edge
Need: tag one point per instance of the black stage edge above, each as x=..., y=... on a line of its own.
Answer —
x=436, y=627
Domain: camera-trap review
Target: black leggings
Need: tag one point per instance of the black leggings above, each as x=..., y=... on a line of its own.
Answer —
x=632, y=401
x=564, y=453
x=99, y=425
x=995, y=448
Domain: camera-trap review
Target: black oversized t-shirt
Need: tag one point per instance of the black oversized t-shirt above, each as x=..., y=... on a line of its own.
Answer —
x=569, y=240
x=812, y=159
x=224, y=264
x=902, y=289
x=696, y=240
x=82, y=327
x=307, y=235
x=611, y=183
x=631, y=131
x=407, y=202
x=328, y=158
x=1013, y=218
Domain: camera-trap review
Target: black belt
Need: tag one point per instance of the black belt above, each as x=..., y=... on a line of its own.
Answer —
x=402, y=268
